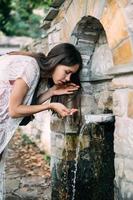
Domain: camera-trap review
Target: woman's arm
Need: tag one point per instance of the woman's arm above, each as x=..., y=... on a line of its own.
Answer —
x=18, y=109
x=16, y=106
x=69, y=88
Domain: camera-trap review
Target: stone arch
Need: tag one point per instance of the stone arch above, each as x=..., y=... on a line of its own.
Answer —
x=90, y=38
x=116, y=18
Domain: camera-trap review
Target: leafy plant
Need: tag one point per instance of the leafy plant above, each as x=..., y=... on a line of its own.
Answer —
x=17, y=17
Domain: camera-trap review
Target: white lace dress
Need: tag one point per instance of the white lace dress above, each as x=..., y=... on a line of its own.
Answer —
x=11, y=68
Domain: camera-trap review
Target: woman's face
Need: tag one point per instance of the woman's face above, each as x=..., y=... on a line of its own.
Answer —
x=62, y=73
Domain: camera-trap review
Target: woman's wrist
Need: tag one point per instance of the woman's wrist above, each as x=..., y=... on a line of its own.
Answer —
x=50, y=106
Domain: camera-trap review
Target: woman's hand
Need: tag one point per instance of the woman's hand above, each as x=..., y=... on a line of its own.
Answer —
x=68, y=88
x=62, y=110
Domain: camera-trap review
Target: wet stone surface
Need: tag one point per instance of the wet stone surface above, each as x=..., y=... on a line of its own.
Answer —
x=27, y=173
x=93, y=167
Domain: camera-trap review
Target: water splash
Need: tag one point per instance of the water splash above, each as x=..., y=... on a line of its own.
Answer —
x=76, y=160
x=88, y=120
x=65, y=175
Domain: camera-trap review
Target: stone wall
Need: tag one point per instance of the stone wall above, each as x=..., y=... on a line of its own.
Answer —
x=102, y=30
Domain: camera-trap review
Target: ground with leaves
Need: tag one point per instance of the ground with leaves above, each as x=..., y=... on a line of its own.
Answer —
x=27, y=171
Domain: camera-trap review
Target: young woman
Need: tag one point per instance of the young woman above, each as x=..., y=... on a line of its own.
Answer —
x=20, y=73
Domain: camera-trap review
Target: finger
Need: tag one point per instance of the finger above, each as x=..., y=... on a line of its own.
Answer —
x=69, y=92
x=72, y=89
x=73, y=110
x=66, y=110
x=73, y=84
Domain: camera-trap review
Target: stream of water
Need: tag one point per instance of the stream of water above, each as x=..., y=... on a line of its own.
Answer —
x=88, y=119
x=65, y=177
x=76, y=160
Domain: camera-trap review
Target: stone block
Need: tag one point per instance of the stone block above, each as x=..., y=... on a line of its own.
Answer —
x=102, y=60
x=128, y=10
x=60, y=141
x=57, y=153
x=122, y=3
x=57, y=3
x=70, y=19
x=122, y=82
x=99, y=87
x=57, y=125
x=88, y=104
x=95, y=8
x=127, y=190
x=50, y=41
x=120, y=102
x=85, y=142
x=63, y=154
x=123, y=137
x=114, y=23
x=54, y=38
x=128, y=169
x=72, y=142
x=130, y=104
x=46, y=25
x=129, y=174
x=65, y=146
x=104, y=100
x=119, y=169
x=55, y=137
x=123, y=53
x=52, y=13
x=87, y=88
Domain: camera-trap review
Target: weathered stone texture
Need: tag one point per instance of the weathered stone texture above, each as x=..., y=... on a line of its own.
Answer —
x=123, y=53
x=102, y=60
x=123, y=82
x=114, y=23
x=120, y=103
x=130, y=104
x=129, y=16
x=123, y=139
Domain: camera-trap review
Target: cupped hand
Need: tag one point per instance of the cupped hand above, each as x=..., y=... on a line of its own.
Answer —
x=62, y=110
x=67, y=88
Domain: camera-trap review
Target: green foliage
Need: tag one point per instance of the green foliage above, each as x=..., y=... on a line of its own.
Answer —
x=17, y=17
x=27, y=141
x=5, y=9
x=47, y=158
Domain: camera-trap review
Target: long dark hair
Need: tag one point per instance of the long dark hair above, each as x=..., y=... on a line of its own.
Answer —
x=64, y=54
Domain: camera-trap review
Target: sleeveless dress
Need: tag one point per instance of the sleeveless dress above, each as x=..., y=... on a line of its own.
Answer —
x=11, y=68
